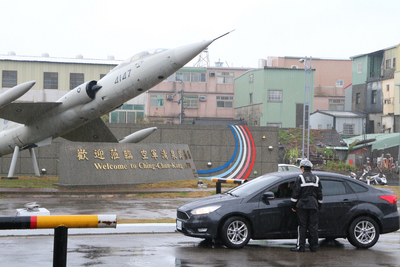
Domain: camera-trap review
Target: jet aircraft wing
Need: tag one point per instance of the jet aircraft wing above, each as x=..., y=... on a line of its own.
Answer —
x=93, y=131
x=24, y=112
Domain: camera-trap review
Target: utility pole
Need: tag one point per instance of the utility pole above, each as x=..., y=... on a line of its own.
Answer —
x=306, y=104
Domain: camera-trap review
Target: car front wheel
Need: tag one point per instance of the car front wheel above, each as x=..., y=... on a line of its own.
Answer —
x=235, y=232
x=363, y=232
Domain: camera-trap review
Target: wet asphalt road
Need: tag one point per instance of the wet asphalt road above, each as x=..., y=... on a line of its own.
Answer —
x=169, y=249
x=177, y=250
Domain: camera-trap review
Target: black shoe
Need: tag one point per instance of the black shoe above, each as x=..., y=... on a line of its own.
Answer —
x=297, y=249
x=313, y=249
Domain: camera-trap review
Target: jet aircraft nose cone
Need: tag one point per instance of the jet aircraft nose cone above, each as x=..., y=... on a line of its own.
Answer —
x=186, y=53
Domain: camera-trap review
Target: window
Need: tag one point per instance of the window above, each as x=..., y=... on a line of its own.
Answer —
x=357, y=188
x=373, y=97
x=251, y=78
x=394, y=62
x=190, y=101
x=336, y=104
x=388, y=63
x=283, y=190
x=319, y=126
x=224, y=101
x=75, y=79
x=387, y=87
x=202, y=78
x=329, y=126
x=359, y=67
x=251, y=98
x=50, y=80
x=331, y=188
x=156, y=100
x=275, y=95
x=358, y=98
x=187, y=77
x=182, y=76
x=102, y=76
x=9, y=78
x=194, y=77
x=127, y=114
x=339, y=83
x=348, y=128
x=170, y=78
x=225, y=77
x=279, y=125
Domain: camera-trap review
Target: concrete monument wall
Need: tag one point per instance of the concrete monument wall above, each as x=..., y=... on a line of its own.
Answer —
x=207, y=144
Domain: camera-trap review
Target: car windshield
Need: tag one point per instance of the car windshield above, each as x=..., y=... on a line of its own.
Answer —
x=253, y=185
x=139, y=56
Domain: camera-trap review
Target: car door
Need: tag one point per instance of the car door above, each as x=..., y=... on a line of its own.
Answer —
x=338, y=200
x=275, y=217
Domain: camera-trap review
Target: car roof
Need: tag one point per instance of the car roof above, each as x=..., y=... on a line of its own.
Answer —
x=289, y=174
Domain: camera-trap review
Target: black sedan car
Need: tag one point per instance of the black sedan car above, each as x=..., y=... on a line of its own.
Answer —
x=261, y=209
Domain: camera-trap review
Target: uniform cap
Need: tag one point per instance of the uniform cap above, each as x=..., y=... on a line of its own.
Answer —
x=306, y=163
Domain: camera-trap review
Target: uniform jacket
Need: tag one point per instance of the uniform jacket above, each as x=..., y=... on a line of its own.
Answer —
x=307, y=192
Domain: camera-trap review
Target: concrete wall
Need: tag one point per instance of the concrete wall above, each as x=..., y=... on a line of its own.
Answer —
x=215, y=144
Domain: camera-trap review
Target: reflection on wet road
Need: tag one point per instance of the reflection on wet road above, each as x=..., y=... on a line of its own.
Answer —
x=179, y=251
x=124, y=208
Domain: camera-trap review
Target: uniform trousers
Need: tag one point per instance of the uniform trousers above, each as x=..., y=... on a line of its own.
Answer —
x=308, y=220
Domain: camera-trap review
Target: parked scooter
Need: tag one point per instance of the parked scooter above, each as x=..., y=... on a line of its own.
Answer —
x=371, y=178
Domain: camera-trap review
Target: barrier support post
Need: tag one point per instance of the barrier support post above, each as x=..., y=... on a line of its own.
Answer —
x=60, y=246
x=218, y=187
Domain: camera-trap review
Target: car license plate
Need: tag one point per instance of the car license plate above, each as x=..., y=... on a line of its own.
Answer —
x=179, y=225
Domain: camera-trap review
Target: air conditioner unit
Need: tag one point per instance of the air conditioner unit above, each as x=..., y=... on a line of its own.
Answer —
x=212, y=73
x=203, y=98
x=170, y=97
x=295, y=67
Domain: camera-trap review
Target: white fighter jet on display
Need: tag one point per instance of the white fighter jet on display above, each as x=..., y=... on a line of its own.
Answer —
x=76, y=116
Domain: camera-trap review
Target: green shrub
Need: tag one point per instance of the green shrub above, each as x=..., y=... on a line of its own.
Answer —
x=339, y=166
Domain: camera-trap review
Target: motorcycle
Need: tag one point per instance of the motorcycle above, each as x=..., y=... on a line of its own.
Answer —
x=371, y=178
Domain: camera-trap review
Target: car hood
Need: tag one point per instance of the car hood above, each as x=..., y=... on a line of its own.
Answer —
x=209, y=201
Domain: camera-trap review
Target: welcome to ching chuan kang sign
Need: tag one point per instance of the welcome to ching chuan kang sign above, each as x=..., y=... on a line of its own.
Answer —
x=94, y=164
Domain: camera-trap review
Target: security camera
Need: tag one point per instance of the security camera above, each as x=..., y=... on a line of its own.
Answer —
x=301, y=60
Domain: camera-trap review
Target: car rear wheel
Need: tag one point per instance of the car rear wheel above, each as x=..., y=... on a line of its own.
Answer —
x=235, y=232
x=363, y=232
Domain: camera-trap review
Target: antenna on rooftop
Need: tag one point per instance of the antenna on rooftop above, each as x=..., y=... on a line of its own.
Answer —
x=204, y=60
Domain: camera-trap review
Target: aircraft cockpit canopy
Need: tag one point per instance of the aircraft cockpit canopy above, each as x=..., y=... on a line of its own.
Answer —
x=139, y=56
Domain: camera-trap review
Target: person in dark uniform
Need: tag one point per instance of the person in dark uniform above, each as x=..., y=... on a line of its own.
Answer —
x=306, y=202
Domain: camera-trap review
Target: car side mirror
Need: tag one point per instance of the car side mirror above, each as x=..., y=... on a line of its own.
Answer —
x=268, y=195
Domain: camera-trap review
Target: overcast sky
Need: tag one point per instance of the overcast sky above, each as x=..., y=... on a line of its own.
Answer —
x=99, y=28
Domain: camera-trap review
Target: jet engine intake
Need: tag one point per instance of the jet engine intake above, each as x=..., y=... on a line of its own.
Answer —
x=92, y=88
x=82, y=94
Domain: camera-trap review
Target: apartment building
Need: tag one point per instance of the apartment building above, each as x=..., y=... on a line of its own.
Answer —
x=331, y=77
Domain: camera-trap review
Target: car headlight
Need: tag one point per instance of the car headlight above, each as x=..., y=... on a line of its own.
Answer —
x=204, y=210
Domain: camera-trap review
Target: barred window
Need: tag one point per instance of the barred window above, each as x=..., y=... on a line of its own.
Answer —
x=75, y=79
x=9, y=78
x=336, y=104
x=191, y=101
x=348, y=128
x=224, y=101
x=275, y=95
x=50, y=80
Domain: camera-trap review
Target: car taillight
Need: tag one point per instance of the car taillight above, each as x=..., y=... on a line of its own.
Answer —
x=392, y=199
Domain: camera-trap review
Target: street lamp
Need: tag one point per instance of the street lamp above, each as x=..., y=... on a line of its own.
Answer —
x=307, y=88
